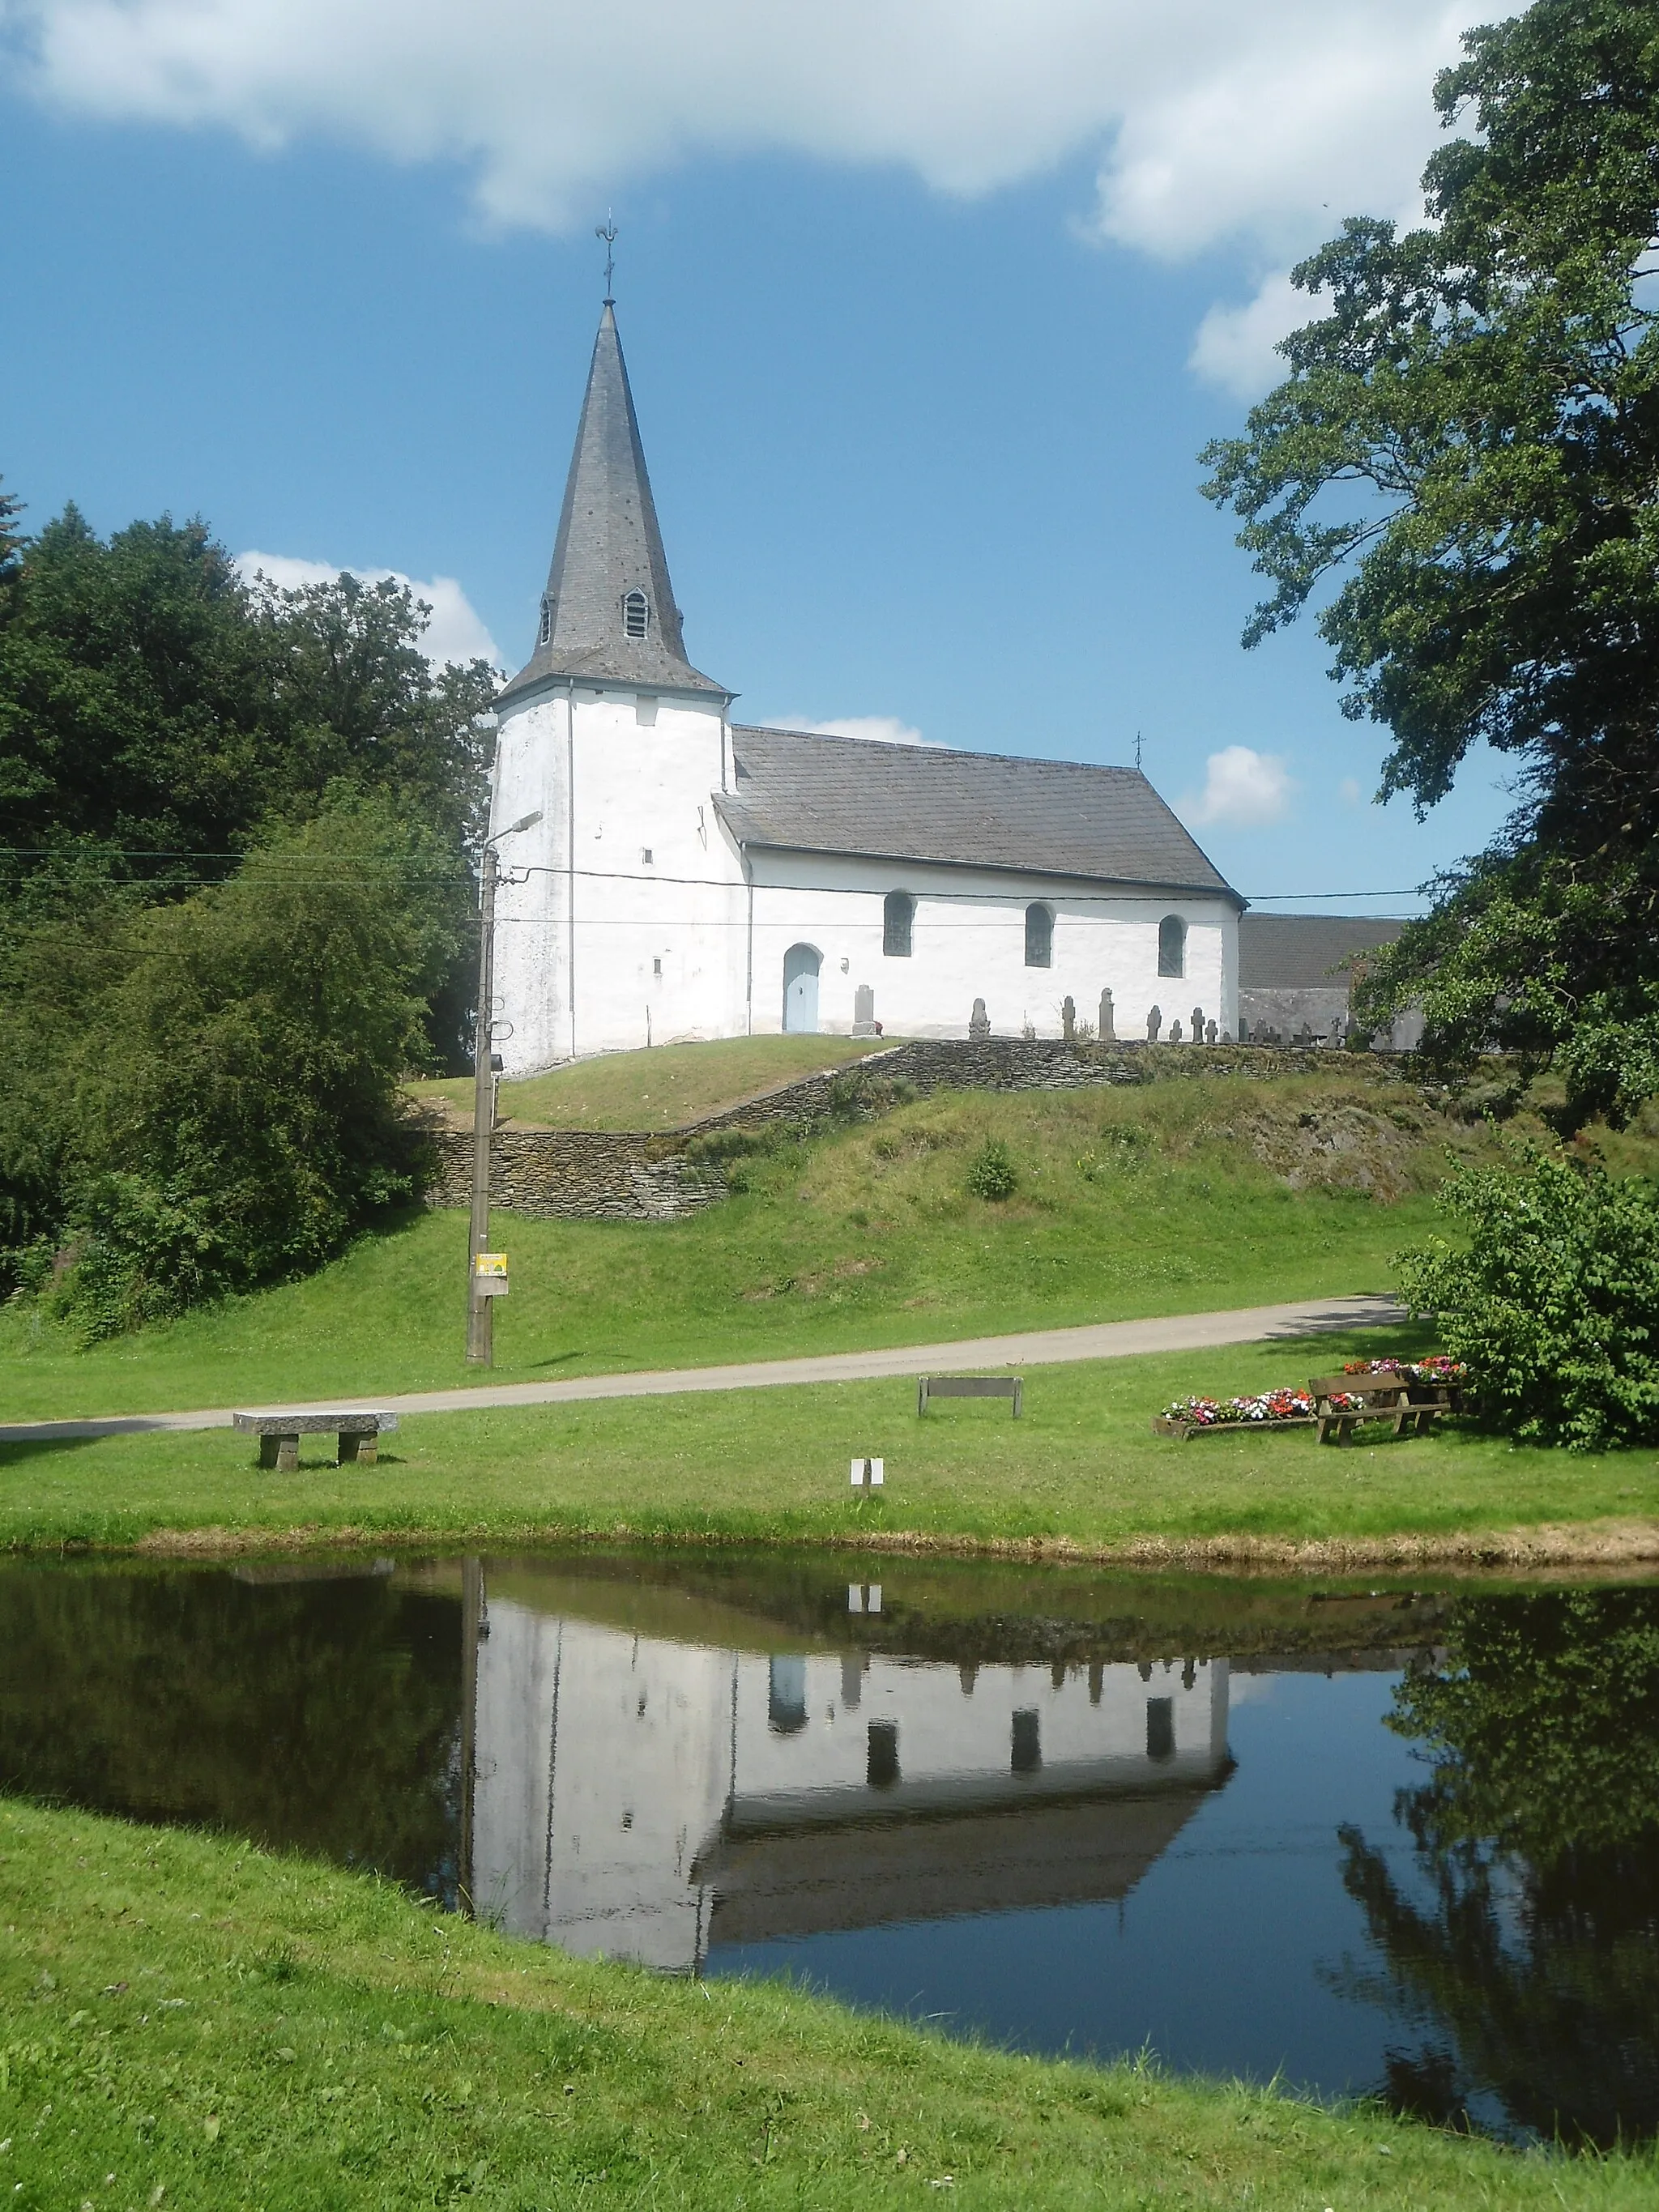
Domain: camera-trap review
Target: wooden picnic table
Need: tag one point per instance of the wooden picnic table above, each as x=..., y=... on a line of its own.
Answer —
x=1409, y=1406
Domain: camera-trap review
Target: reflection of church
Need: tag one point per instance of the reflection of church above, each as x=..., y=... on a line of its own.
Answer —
x=648, y=1797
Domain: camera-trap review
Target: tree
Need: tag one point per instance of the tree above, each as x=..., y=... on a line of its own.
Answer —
x=157, y=711
x=231, y=1068
x=1468, y=439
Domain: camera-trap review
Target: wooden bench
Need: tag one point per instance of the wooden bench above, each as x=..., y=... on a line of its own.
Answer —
x=1409, y=1408
x=970, y=1386
x=279, y=1435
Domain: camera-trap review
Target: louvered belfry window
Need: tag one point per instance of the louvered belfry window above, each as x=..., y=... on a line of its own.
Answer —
x=636, y=614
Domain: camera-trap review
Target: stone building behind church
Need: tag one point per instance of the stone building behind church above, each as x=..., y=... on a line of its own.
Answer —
x=692, y=877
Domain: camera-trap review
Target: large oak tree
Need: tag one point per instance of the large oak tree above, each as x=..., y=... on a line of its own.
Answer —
x=1462, y=471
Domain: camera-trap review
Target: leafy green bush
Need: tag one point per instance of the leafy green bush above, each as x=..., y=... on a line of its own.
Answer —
x=991, y=1171
x=1553, y=1303
x=229, y=1103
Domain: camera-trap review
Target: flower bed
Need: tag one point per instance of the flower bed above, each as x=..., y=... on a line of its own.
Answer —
x=1272, y=1409
x=1437, y=1368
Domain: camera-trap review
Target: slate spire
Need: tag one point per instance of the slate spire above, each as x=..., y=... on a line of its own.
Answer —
x=608, y=614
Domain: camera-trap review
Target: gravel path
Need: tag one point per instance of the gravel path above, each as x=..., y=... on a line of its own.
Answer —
x=1046, y=1347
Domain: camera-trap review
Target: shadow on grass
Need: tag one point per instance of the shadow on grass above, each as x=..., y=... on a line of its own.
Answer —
x=19, y=1453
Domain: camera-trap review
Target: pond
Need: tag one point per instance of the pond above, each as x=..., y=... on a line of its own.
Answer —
x=1386, y=1840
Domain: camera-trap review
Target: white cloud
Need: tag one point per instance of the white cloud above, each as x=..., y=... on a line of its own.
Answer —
x=1243, y=789
x=1234, y=347
x=1349, y=793
x=454, y=630
x=881, y=729
x=1214, y=123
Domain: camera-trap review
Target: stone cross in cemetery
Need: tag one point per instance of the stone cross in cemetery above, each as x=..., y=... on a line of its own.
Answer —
x=1175, y=1030
x=864, y=1011
x=1198, y=1025
x=1209, y=1032
x=1069, y=1020
x=1154, y=1023
x=1108, y=1034
x=979, y=1022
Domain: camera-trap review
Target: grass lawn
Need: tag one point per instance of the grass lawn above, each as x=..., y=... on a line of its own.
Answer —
x=656, y=1090
x=1171, y=1198
x=188, y=2023
x=1081, y=1467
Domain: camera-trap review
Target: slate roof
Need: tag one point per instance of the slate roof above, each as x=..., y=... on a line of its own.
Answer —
x=610, y=544
x=1286, y=951
x=801, y=792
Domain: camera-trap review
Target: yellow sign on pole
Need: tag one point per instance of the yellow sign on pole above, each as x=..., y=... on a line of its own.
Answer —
x=489, y=1274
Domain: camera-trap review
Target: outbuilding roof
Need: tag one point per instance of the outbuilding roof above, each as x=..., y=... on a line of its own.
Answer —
x=1287, y=951
x=803, y=791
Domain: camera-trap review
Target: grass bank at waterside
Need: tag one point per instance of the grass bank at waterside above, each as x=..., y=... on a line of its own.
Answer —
x=1080, y=1471
x=190, y=2022
x=1167, y=1198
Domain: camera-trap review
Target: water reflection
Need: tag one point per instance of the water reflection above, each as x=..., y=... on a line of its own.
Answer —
x=1526, y=1966
x=1389, y=1841
x=648, y=1797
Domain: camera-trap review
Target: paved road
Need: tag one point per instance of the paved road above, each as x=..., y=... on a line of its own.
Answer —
x=1047, y=1347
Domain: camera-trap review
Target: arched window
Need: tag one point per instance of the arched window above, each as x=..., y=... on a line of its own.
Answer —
x=897, y=912
x=636, y=614
x=545, y=634
x=1172, y=946
x=1039, y=935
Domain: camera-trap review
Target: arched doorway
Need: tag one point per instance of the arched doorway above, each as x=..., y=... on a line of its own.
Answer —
x=800, y=991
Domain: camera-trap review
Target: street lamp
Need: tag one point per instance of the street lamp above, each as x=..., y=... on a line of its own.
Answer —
x=480, y=1310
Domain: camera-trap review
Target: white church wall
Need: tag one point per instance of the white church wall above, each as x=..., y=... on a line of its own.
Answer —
x=655, y=954
x=967, y=941
x=668, y=946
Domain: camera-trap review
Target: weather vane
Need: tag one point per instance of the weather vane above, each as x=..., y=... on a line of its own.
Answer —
x=1136, y=748
x=607, y=231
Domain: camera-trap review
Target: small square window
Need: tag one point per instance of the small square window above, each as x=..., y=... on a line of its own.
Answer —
x=656, y=967
x=645, y=856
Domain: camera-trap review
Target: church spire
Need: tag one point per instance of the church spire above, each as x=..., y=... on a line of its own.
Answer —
x=608, y=614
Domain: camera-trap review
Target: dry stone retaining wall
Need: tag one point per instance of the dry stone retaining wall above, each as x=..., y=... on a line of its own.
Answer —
x=621, y=1174
x=579, y=1175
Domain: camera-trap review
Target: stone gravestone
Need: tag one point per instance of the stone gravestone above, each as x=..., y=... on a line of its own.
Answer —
x=1209, y=1032
x=1244, y=1030
x=1175, y=1030
x=1198, y=1025
x=1108, y=1034
x=1154, y=1023
x=864, y=1010
x=1069, y=1020
x=979, y=1022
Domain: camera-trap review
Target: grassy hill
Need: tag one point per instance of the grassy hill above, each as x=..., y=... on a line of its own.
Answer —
x=657, y=1090
x=1169, y=1198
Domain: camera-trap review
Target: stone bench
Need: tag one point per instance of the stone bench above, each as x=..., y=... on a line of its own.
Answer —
x=970, y=1386
x=279, y=1435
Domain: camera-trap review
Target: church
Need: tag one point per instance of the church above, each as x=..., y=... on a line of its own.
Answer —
x=691, y=877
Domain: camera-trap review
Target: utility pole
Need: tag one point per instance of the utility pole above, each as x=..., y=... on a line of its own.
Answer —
x=480, y=1310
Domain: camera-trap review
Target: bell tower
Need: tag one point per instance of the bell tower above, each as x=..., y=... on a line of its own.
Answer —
x=606, y=928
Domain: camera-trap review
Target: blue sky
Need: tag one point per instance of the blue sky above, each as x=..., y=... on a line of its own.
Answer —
x=922, y=409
